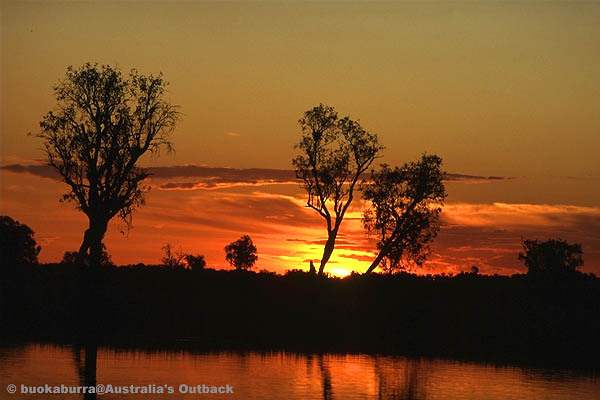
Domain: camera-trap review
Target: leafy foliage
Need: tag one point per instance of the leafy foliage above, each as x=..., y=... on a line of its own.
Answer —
x=195, y=263
x=553, y=256
x=102, y=125
x=241, y=253
x=334, y=152
x=17, y=245
x=72, y=257
x=405, y=204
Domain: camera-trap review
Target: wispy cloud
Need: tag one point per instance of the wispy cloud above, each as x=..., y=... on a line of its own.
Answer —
x=285, y=230
x=489, y=235
x=199, y=177
x=43, y=171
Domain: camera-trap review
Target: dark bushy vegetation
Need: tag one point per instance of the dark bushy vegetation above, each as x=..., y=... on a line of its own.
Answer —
x=241, y=253
x=17, y=244
x=551, y=257
x=71, y=257
x=498, y=318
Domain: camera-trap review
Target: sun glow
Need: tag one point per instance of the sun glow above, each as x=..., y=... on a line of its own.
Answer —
x=339, y=272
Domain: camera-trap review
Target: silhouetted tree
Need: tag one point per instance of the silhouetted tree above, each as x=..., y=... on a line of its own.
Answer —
x=241, y=253
x=195, y=263
x=72, y=257
x=101, y=127
x=553, y=256
x=17, y=245
x=405, y=204
x=172, y=258
x=334, y=153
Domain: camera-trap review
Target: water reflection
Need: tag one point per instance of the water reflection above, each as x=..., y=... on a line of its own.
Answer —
x=399, y=378
x=86, y=368
x=284, y=375
x=325, y=379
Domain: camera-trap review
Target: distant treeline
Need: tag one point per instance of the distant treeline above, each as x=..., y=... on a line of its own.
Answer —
x=542, y=320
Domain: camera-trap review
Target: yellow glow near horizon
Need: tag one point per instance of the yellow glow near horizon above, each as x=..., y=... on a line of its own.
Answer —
x=339, y=272
x=494, y=88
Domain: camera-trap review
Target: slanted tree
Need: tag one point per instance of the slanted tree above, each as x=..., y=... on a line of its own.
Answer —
x=334, y=153
x=241, y=253
x=17, y=245
x=404, y=206
x=553, y=256
x=102, y=125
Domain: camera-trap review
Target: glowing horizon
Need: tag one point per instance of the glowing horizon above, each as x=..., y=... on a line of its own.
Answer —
x=496, y=90
x=288, y=235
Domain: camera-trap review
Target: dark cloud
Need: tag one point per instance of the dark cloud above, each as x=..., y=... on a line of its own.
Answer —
x=43, y=171
x=358, y=257
x=204, y=177
x=316, y=262
x=475, y=178
x=322, y=242
x=183, y=185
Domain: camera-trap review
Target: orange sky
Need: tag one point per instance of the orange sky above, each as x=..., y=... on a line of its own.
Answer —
x=509, y=90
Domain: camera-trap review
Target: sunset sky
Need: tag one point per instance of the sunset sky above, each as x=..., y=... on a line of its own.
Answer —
x=510, y=91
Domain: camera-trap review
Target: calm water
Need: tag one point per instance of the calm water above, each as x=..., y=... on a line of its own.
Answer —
x=286, y=375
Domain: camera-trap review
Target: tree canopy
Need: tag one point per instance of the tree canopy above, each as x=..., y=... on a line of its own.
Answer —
x=334, y=153
x=241, y=253
x=102, y=125
x=404, y=206
x=17, y=244
x=553, y=256
x=195, y=262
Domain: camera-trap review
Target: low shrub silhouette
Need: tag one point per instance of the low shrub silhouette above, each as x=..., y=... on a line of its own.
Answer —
x=195, y=263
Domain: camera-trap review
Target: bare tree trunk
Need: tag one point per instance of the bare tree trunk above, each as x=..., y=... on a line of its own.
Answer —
x=92, y=241
x=83, y=249
x=328, y=250
x=98, y=229
x=382, y=253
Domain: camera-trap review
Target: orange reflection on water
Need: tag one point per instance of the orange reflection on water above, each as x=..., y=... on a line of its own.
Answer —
x=291, y=376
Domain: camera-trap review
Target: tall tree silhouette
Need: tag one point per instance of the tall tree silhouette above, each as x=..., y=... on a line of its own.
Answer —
x=405, y=204
x=334, y=153
x=102, y=125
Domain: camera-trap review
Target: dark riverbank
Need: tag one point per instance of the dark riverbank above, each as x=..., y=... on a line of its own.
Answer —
x=550, y=321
